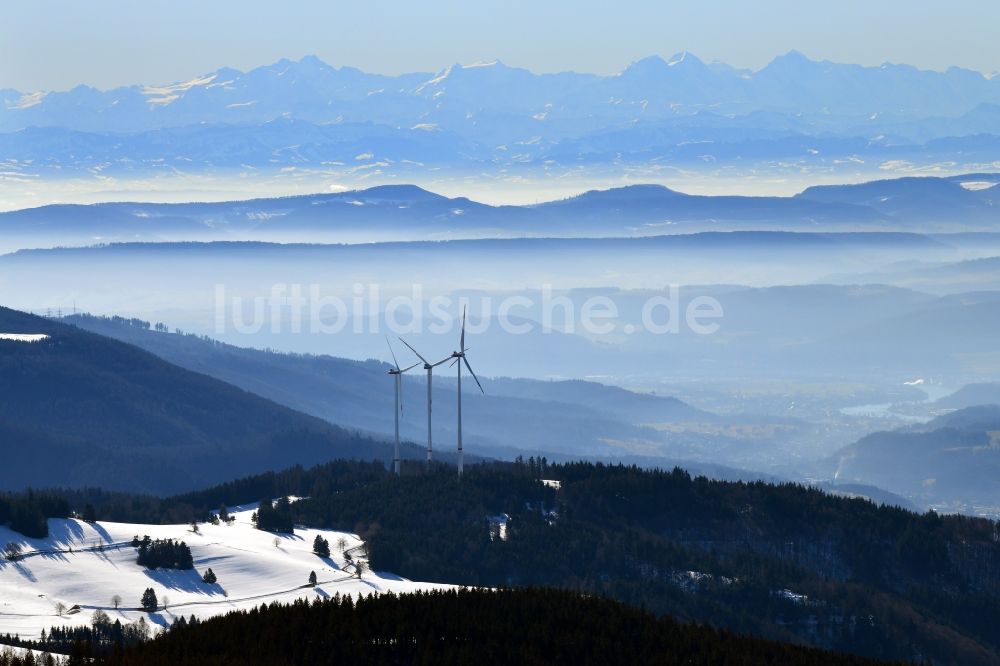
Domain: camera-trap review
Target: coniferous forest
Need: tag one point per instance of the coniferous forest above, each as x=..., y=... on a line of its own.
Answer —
x=529, y=626
x=27, y=512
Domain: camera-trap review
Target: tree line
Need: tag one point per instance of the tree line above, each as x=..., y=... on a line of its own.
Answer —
x=27, y=512
x=507, y=626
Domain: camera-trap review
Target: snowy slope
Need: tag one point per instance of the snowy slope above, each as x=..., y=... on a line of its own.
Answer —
x=251, y=570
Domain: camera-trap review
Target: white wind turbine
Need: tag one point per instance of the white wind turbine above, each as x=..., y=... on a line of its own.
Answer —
x=429, y=367
x=397, y=374
x=460, y=358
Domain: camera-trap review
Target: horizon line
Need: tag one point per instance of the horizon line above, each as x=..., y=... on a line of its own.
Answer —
x=672, y=59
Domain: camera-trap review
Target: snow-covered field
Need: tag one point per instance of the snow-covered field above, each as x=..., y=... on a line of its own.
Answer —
x=67, y=567
x=24, y=337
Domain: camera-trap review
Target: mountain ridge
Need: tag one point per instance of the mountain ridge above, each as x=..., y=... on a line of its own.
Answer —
x=950, y=462
x=230, y=93
x=410, y=212
x=81, y=409
x=305, y=118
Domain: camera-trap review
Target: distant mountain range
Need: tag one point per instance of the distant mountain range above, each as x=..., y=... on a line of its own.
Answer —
x=110, y=413
x=952, y=462
x=559, y=419
x=307, y=115
x=407, y=212
x=856, y=329
x=940, y=278
x=462, y=97
x=971, y=395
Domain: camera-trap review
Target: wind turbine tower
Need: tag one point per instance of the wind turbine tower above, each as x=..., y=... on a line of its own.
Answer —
x=397, y=375
x=460, y=358
x=429, y=367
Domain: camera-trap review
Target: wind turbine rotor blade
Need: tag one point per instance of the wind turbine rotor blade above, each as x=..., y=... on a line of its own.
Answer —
x=473, y=375
x=392, y=352
x=452, y=363
x=441, y=362
x=409, y=368
x=414, y=351
x=462, y=342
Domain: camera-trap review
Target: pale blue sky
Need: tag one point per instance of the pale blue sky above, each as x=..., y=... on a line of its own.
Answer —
x=55, y=44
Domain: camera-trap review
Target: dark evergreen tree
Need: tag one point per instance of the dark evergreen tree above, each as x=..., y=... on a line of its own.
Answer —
x=210, y=577
x=149, y=602
x=321, y=546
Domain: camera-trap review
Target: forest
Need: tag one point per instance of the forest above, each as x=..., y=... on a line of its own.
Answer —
x=527, y=626
x=27, y=512
x=782, y=562
x=101, y=637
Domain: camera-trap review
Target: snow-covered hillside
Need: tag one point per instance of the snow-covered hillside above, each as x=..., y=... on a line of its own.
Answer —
x=87, y=564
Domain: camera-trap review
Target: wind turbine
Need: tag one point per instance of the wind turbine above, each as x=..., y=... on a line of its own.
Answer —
x=429, y=367
x=460, y=358
x=397, y=374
